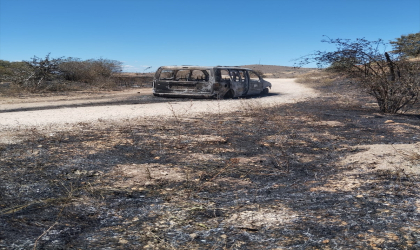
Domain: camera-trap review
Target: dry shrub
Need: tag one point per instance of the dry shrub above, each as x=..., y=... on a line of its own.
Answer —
x=57, y=74
x=89, y=71
x=391, y=79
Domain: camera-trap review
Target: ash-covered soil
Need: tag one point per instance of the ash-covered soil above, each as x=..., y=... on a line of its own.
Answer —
x=316, y=174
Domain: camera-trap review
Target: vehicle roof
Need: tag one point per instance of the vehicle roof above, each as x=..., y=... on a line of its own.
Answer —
x=202, y=67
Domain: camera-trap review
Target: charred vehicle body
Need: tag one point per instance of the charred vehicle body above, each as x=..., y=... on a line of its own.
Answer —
x=208, y=82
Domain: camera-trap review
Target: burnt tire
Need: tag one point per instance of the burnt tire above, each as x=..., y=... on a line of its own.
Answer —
x=229, y=95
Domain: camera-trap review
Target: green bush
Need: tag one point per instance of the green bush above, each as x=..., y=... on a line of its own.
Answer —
x=5, y=69
x=407, y=45
x=15, y=72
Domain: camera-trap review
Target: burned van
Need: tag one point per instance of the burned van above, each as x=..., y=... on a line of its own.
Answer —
x=208, y=82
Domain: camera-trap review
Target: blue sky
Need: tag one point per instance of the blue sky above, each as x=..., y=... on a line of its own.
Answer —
x=151, y=33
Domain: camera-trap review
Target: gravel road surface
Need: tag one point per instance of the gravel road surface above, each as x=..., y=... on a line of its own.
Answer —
x=62, y=111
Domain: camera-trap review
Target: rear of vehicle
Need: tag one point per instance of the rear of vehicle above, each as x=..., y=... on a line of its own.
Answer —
x=184, y=81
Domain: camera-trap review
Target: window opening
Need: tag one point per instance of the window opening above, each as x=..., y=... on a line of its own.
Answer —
x=253, y=76
x=166, y=75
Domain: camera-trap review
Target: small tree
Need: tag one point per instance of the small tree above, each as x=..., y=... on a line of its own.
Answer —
x=394, y=82
x=407, y=46
x=43, y=71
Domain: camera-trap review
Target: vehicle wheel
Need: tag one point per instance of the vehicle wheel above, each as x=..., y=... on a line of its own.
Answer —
x=265, y=91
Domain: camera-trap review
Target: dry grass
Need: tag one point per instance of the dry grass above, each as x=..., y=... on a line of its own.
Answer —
x=415, y=59
x=274, y=71
x=318, y=78
x=262, y=178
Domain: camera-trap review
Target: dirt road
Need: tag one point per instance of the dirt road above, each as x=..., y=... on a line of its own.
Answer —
x=64, y=110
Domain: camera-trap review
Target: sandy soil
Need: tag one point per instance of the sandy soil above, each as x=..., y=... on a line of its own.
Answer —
x=61, y=110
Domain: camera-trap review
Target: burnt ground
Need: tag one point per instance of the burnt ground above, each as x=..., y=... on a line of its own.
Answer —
x=261, y=178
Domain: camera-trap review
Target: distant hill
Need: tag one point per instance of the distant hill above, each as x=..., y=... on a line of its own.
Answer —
x=274, y=71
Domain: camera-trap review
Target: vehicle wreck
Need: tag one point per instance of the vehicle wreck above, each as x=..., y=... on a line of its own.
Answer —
x=208, y=82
